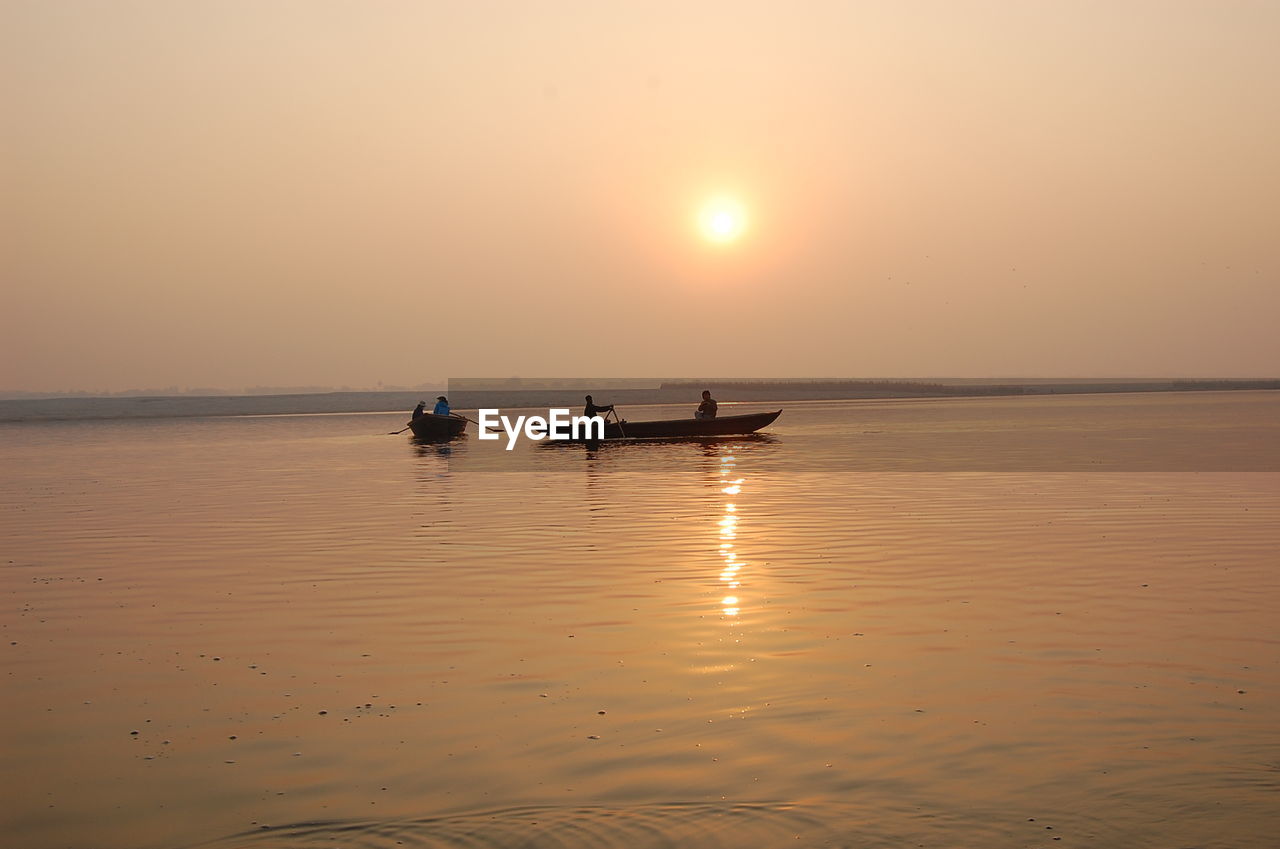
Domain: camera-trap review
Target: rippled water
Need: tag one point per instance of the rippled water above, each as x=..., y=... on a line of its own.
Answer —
x=889, y=634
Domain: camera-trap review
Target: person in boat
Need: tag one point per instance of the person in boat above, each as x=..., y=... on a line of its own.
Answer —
x=442, y=406
x=707, y=409
x=420, y=409
x=594, y=409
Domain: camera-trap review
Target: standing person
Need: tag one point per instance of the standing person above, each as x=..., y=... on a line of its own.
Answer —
x=420, y=409
x=593, y=409
x=442, y=406
x=707, y=409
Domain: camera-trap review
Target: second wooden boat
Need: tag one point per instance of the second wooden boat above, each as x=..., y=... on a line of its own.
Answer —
x=688, y=428
x=431, y=426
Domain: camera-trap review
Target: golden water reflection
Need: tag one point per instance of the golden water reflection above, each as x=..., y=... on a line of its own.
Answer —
x=731, y=573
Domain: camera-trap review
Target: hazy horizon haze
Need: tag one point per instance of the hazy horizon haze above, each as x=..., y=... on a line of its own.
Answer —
x=323, y=193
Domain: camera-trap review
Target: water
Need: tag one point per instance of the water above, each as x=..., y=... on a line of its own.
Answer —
x=985, y=623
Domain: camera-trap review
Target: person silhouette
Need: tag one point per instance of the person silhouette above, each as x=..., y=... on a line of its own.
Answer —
x=707, y=409
x=594, y=409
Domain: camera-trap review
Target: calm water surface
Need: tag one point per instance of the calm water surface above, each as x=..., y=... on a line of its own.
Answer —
x=987, y=623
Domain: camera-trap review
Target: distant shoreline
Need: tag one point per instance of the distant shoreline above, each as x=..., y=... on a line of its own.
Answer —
x=843, y=387
x=670, y=392
x=850, y=389
x=679, y=392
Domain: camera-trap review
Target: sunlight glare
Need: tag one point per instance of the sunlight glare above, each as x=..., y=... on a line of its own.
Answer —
x=722, y=220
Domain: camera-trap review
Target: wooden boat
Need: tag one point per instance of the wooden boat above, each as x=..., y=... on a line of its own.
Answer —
x=690, y=428
x=431, y=426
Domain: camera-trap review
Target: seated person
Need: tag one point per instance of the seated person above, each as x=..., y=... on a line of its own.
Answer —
x=420, y=409
x=442, y=406
x=594, y=409
x=707, y=409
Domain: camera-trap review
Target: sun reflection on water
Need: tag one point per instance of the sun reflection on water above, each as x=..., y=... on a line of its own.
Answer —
x=730, y=575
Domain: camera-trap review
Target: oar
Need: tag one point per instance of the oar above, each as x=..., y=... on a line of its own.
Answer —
x=406, y=427
x=619, y=423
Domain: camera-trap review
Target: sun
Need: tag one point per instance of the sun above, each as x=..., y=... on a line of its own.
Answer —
x=722, y=220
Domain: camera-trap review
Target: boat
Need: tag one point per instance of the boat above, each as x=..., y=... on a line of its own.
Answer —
x=431, y=426
x=690, y=428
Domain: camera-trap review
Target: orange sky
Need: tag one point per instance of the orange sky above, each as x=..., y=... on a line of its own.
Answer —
x=233, y=194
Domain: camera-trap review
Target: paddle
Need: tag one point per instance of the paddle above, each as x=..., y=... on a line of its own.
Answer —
x=455, y=415
x=621, y=430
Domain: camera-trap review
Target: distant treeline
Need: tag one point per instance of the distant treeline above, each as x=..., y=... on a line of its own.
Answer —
x=871, y=388
x=211, y=392
x=1225, y=384
x=910, y=387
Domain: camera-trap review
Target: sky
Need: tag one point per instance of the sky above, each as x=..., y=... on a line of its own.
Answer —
x=267, y=193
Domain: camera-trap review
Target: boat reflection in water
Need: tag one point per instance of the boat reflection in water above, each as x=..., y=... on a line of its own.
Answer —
x=433, y=447
x=674, y=446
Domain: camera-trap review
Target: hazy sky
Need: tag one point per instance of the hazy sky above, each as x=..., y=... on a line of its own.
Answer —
x=228, y=193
